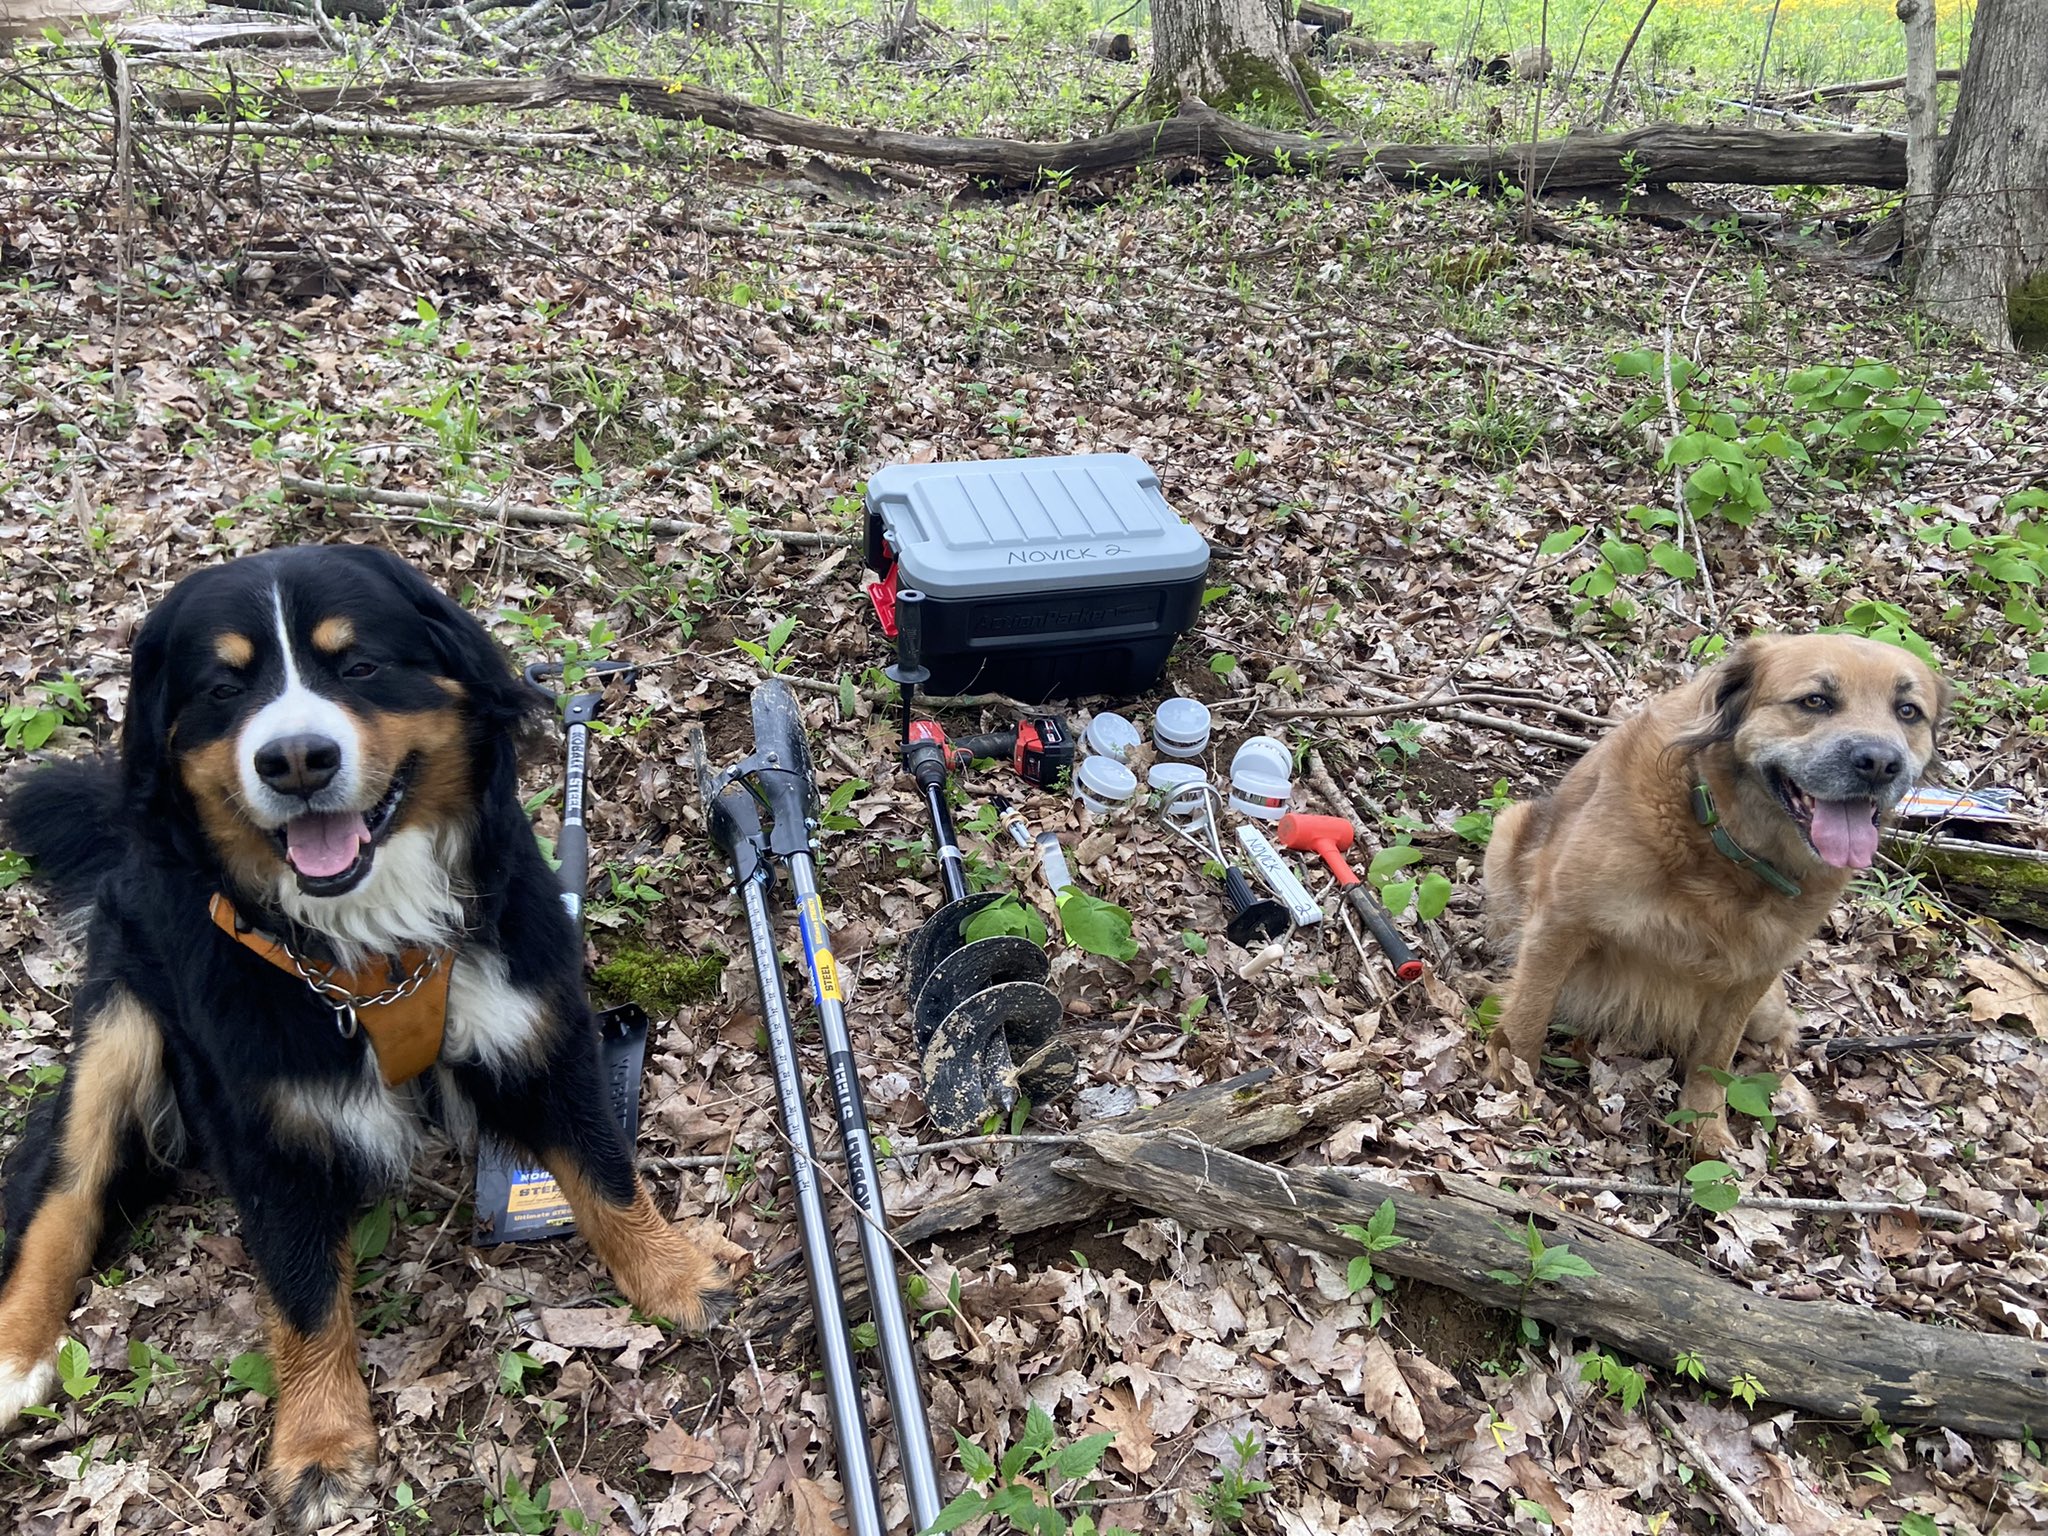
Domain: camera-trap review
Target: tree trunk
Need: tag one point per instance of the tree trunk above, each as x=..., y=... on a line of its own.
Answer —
x=1229, y=53
x=1986, y=265
x=1923, y=122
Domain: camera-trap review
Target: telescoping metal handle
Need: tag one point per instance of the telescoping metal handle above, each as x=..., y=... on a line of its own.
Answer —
x=579, y=710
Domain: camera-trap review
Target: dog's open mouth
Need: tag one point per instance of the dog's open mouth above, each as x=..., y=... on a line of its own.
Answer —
x=331, y=851
x=1842, y=833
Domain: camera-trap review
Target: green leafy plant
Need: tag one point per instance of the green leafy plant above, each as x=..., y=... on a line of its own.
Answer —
x=1690, y=1365
x=1713, y=1186
x=1026, y=1486
x=1863, y=410
x=515, y=1509
x=1225, y=1498
x=1614, y=1378
x=1428, y=895
x=1098, y=926
x=1917, y=1524
x=1376, y=1236
x=253, y=1372
x=1477, y=826
x=1005, y=916
x=844, y=793
x=1546, y=1264
x=1887, y=622
x=2008, y=565
x=74, y=1370
x=1746, y=1389
x=768, y=652
x=1750, y=1095
x=514, y=1366
x=29, y=723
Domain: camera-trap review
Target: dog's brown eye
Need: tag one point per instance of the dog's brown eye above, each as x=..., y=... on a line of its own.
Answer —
x=1909, y=712
x=226, y=690
x=360, y=669
x=1818, y=703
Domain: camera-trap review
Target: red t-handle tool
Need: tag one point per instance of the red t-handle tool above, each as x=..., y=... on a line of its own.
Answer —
x=1328, y=837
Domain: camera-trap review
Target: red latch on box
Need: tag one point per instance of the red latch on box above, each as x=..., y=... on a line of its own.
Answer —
x=883, y=595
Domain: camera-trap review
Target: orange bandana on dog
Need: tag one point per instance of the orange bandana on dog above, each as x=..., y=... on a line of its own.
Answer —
x=402, y=1004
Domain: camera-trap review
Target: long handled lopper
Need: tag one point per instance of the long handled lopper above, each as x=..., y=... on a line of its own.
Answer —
x=777, y=780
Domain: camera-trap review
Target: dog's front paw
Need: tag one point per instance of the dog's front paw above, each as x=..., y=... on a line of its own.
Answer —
x=318, y=1482
x=1710, y=1137
x=1504, y=1065
x=686, y=1284
x=24, y=1386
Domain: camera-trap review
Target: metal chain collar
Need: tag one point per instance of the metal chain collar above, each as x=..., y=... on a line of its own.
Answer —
x=345, y=1003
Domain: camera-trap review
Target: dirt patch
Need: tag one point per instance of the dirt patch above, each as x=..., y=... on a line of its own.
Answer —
x=1455, y=1331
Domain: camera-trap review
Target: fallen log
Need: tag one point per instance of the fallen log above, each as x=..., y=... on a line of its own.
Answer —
x=1327, y=20
x=169, y=34
x=1844, y=1362
x=1822, y=93
x=2010, y=884
x=1108, y=43
x=1243, y=1112
x=1654, y=155
x=1369, y=50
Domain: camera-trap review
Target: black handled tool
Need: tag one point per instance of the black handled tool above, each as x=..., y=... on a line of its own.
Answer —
x=778, y=778
x=572, y=846
x=516, y=1201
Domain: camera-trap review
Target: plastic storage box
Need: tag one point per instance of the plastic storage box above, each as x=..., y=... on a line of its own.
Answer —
x=1043, y=578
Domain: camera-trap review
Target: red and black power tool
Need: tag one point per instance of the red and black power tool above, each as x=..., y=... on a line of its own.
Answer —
x=1038, y=749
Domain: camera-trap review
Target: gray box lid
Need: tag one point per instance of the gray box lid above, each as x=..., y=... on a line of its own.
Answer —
x=1053, y=524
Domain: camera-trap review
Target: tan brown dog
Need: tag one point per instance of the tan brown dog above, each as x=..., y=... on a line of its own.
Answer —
x=1657, y=896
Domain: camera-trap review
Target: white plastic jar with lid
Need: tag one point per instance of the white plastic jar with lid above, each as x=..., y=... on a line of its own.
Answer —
x=1262, y=778
x=1180, y=728
x=1110, y=735
x=1104, y=785
x=1269, y=752
x=1177, y=785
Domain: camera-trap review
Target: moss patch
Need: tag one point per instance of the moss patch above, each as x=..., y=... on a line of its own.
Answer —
x=2027, y=308
x=663, y=984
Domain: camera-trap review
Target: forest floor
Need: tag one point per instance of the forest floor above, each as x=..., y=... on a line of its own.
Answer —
x=1401, y=424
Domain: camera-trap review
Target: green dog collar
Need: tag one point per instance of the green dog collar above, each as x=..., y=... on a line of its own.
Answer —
x=1710, y=818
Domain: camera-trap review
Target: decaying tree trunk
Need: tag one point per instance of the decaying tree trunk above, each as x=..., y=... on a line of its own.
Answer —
x=1108, y=43
x=1228, y=53
x=1252, y=1110
x=1328, y=20
x=1841, y=1361
x=1651, y=156
x=1986, y=265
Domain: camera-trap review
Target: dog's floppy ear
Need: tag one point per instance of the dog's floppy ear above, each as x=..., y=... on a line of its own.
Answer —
x=1731, y=687
x=145, y=748
x=500, y=703
x=464, y=648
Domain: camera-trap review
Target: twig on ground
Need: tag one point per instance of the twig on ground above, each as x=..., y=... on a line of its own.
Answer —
x=1746, y=1519
x=548, y=517
x=1875, y=1045
x=1338, y=801
x=1450, y=701
x=682, y=1164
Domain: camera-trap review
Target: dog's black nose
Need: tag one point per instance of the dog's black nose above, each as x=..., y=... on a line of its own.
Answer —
x=1877, y=762
x=298, y=765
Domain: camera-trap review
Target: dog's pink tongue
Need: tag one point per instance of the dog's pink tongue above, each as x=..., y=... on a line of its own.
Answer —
x=1845, y=832
x=325, y=843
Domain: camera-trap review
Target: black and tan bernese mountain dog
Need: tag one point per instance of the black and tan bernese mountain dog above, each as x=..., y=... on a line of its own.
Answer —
x=318, y=921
